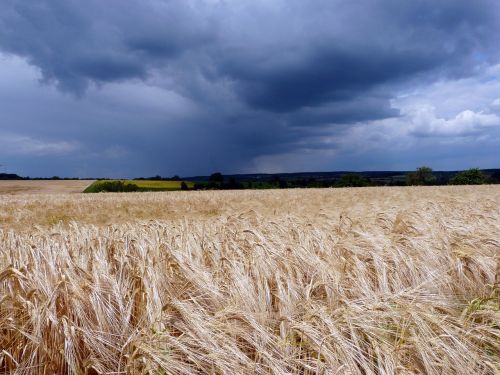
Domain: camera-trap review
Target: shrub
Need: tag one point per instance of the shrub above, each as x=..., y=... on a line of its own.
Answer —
x=111, y=186
x=422, y=176
x=471, y=176
x=353, y=180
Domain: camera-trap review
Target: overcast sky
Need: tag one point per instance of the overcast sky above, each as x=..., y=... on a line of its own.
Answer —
x=127, y=88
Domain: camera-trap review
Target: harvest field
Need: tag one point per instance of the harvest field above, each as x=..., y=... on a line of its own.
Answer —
x=149, y=184
x=307, y=281
x=43, y=186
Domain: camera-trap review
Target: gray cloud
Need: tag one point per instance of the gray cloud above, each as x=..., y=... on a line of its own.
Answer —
x=241, y=83
x=76, y=44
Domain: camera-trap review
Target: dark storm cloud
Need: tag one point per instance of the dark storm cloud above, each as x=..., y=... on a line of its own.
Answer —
x=280, y=57
x=337, y=56
x=261, y=77
x=77, y=43
x=326, y=77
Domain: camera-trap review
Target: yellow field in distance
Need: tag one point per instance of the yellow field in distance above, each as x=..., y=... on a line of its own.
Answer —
x=154, y=184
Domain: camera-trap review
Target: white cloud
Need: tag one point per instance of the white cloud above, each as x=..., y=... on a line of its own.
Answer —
x=449, y=125
x=426, y=123
x=448, y=110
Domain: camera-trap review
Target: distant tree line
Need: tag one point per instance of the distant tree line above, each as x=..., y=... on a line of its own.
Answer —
x=422, y=176
x=474, y=176
x=159, y=178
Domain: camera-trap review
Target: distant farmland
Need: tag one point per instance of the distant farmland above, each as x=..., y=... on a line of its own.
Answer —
x=22, y=187
x=143, y=185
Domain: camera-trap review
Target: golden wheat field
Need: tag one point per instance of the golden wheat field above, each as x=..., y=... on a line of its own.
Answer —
x=331, y=281
x=12, y=187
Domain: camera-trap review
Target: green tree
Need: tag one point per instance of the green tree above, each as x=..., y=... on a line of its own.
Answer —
x=471, y=176
x=494, y=178
x=422, y=176
x=184, y=186
x=353, y=180
x=234, y=184
x=216, y=177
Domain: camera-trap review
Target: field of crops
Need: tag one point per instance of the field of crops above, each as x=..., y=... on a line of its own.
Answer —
x=12, y=187
x=306, y=281
x=145, y=185
x=152, y=184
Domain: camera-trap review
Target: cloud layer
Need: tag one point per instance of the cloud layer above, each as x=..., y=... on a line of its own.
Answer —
x=192, y=86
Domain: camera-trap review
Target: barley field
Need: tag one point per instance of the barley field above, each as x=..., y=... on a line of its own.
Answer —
x=330, y=281
x=14, y=187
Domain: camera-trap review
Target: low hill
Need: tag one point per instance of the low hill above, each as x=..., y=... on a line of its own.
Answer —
x=10, y=176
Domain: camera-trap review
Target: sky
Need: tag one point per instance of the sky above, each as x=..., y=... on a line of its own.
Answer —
x=135, y=88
